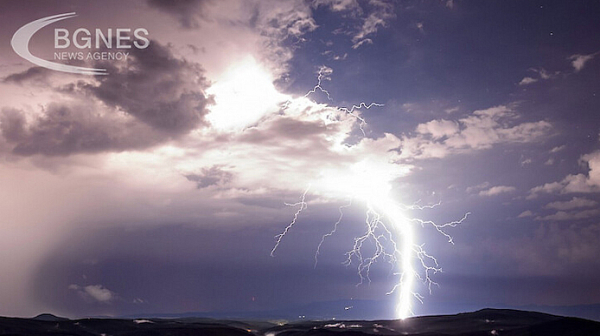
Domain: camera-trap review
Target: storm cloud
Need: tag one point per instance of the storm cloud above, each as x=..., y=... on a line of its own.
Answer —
x=156, y=88
x=188, y=12
x=152, y=98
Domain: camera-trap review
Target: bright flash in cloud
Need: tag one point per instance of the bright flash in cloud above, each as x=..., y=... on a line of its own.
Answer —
x=242, y=95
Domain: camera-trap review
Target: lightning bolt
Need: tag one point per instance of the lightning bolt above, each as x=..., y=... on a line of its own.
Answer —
x=384, y=221
x=332, y=232
x=324, y=74
x=301, y=206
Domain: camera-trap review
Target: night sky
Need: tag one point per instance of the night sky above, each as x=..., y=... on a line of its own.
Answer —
x=162, y=186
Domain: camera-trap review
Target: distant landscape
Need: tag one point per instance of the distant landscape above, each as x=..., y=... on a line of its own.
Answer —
x=368, y=310
x=482, y=322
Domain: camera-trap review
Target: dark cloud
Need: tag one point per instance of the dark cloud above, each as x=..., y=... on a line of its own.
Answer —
x=33, y=73
x=273, y=131
x=64, y=130
x=156, y=88
x=12, y=125
x=188, y=12
x=214, y=175
x=151, y=98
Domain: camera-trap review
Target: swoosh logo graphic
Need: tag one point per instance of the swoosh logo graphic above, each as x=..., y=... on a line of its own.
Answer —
x=20, y=44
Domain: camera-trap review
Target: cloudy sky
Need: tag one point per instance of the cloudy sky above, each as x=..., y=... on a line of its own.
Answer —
x=162, y=186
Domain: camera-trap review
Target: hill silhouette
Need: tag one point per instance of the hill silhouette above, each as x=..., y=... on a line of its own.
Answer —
x=483, y=322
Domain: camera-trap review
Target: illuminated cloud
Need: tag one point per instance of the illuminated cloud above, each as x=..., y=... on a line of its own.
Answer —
x=303, y=144
x=525, y=214
x=541, y=74
x=94, y=293
x=527, y=80
x=578, y=61
x=480, y=130
x=242, y=96
x=279, y=20
x=339, y=5
x=438, y=128
x=574, y=203
x=478, y=187
x=570, y=216
x=373, y=15
x=381, y=14
x=574, y=183
x=525, y=161
x=497, y=190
